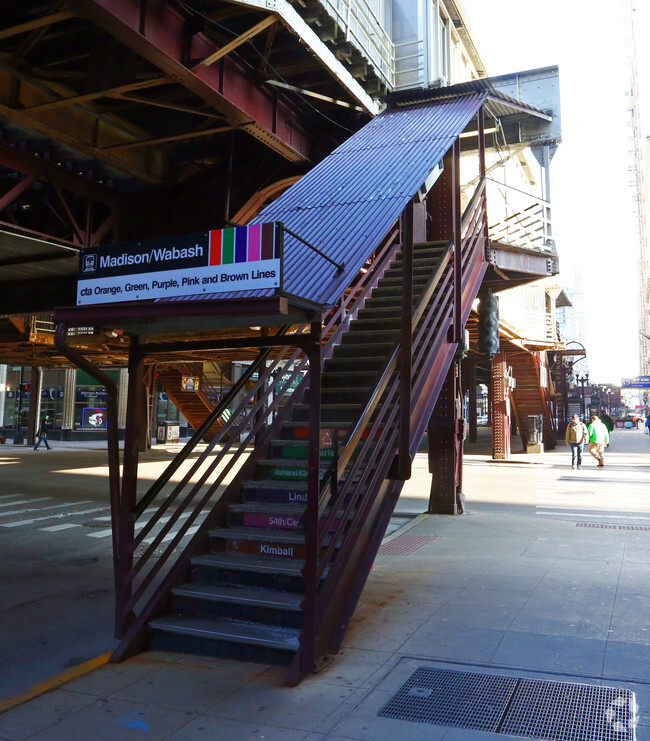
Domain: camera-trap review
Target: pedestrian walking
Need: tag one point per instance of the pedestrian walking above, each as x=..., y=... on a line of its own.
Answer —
x=42, y=434
x=598, y=439
x=576, y=436
x=647, y=425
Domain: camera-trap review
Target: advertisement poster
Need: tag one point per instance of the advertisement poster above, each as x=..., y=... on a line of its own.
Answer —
x=93, y=418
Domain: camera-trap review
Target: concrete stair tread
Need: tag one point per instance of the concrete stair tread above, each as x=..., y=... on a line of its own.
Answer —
x=249, y=562
x=257, y=634
x=253, y=596
x=265, y=508
x=257, y=533
x=275, y=484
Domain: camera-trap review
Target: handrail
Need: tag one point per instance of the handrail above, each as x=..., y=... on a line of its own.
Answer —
x=364, y=461
x=339, y=266
x=212, y=417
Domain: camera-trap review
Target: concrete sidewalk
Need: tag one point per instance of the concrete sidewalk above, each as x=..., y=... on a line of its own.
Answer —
x=546, y=576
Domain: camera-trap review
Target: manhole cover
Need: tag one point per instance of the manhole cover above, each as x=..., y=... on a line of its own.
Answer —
x=515, y=706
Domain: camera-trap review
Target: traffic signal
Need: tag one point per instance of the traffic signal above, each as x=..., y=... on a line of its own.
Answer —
x=23, y=387
x=488, y=325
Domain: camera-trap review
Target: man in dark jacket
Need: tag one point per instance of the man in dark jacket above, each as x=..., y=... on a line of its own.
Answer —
x=42, y=434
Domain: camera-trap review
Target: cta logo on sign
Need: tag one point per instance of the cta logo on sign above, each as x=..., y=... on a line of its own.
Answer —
x=236, y=259
x=88, y=263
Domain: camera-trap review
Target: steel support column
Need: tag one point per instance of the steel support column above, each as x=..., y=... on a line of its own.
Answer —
x=457, y=239
x=112, y=443
x=446, y=433
x=33, y=418
x=469, y=378
x=310, y=570
x=406, y=341
x=132, y=440
x=500, y=405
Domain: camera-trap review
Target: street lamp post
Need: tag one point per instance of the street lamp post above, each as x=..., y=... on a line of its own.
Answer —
x=582, y=380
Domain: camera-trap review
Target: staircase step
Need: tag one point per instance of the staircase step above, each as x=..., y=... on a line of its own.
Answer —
x=254, y=604
x=259, y=541
x=372, y=365
x=225, y=638
x=297, y=449
x=359, y=350
x=272, y=598
x=367, y=336
x=278, y=492
x=266, y=515
x=285, y=469
x=344, y=395
x=248, y=570
x=360, y=379
x=331, y=414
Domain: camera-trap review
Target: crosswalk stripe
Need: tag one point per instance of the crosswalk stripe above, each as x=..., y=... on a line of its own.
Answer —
x=167, y=538
x=42, y=509
x=139, y=526
x=25, y=501
x=595, y=515
x=56, y=528
x=49, y=517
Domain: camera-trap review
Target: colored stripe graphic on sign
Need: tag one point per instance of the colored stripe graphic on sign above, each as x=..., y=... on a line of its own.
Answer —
x=254, y=242
x=228, y=250
x=268, y=241
x=241, y=244
x=215, y=247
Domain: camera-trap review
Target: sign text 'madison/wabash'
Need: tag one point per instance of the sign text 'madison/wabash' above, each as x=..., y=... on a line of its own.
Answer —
x=155, y=255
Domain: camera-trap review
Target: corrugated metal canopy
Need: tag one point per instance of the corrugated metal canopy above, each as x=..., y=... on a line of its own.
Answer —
x=347, y=204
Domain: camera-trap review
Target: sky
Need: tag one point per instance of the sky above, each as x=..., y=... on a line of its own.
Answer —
x=592, y=207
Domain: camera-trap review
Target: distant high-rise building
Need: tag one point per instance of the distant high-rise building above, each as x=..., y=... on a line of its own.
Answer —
x=636, y=168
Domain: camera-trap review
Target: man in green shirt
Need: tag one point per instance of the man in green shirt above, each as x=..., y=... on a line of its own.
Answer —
x=598, y=439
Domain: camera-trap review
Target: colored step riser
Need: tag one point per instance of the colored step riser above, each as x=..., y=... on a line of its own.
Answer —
x=275, y=496
x=300, y=452
x=270, y=550
x=279, y=522
x=302, y=433
x=284, y=472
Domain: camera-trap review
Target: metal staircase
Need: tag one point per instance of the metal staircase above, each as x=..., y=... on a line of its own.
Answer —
x=276, y=541
x=532, y=394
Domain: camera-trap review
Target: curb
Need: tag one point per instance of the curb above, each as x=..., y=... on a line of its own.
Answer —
x=49, y=684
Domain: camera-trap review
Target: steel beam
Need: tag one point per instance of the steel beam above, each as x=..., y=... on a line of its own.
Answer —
x=42, y=22
x=159, y=34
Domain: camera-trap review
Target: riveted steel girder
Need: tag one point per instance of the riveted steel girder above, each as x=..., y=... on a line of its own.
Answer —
x=159, y=34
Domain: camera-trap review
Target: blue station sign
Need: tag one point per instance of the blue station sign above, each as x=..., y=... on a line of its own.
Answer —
x=640, y=382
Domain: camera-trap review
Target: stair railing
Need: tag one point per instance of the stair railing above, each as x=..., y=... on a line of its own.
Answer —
x=352, y=483
x=198, y=501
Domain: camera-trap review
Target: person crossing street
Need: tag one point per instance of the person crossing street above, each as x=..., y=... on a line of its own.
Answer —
x=576, y=436
x=598, y=439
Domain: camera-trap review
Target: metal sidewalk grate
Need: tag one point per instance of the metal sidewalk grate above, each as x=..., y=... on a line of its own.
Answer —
x=403, y=545
x=602, y=526
x=570, y=712
x=448, y=698
x=515, y=706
